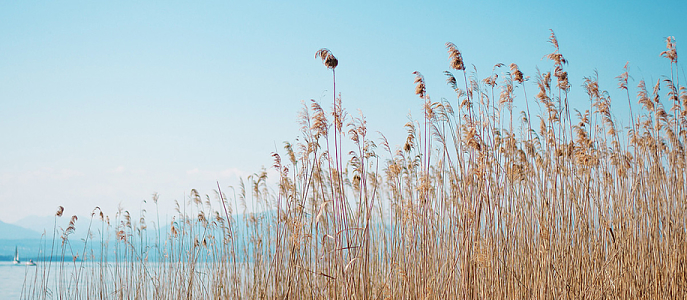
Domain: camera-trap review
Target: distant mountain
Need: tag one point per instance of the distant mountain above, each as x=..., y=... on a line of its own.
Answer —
x=14, y=232
x=37, y=224
x=32, y=227
x=48, y=224
x=30, y=245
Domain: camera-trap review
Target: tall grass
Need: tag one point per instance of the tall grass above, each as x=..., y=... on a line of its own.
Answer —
x=478, y=202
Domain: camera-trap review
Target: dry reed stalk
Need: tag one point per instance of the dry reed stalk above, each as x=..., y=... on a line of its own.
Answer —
x=564, y=212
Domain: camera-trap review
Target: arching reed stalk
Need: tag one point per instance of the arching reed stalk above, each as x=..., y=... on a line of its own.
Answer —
x=562, y=211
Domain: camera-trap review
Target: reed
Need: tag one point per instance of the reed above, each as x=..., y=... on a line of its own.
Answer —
x=468, y=207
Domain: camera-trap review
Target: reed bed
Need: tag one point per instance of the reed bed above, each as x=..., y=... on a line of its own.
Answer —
x=479, y=202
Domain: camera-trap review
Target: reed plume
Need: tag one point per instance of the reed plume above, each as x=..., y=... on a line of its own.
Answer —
x=553, y=208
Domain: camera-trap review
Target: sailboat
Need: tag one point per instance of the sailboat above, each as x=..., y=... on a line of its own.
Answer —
x=16, y=256
x=16, y=260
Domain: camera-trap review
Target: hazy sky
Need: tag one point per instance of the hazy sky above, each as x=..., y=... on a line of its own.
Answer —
x=103, y=102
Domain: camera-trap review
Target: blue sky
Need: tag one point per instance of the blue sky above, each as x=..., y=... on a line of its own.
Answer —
x=108, y=102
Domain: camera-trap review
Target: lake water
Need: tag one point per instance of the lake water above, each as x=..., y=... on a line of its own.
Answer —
x=12, y=278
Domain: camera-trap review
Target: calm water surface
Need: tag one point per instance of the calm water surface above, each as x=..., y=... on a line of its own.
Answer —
x=12, y=278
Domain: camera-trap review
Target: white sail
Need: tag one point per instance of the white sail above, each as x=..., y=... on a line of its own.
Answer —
x=16, y=256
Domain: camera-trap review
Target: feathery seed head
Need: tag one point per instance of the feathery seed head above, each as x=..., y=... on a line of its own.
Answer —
x=562, y=77
x=328, y=58
x=670, y=53
x=420, y=88
x=553, y=40
x=517, y=74
x=451, y=80
x=622, y=78
x=643, y=96
x=455, y=57
x=491, y=80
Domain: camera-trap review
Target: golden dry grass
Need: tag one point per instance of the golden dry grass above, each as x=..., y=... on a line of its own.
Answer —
x=468, y=207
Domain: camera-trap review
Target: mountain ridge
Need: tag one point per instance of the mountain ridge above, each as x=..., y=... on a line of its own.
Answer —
x=15, y=232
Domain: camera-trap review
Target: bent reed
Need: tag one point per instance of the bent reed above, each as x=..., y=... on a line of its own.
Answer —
x=479, y=202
